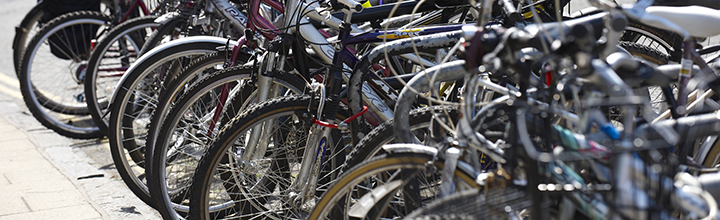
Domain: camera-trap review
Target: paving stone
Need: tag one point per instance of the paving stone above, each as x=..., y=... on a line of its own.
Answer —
x=48, y=185
x=13, y=205
x=34, y=163
x=11, y=135
x=5, y=126
x=75, y=212
x=39, y=168
x=3, y=181
x=21, y=177
x=48, y=138
x=72, y=162
x=50, y=200
x=22, y=144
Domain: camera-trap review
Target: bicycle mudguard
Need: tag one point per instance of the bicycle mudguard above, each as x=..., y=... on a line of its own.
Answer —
x=175, y=43
x=449, y=71
x=19, y=30
x=165, y=18
x=433, y=152
x=410, y=148
x=714, y=4
x=694, y=19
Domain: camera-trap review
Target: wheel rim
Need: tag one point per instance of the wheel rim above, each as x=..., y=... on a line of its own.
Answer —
x=190, y=137
x=108, y=70
x=235, y=185
x=131, y=131
x=56, y=92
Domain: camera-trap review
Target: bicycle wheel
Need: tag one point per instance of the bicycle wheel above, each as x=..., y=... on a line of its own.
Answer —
x=389, y=173
x=186, y=131
x=110, y=59
x=657, y=98
x=53, y=65
x=29, y=27
x=497, y=203
x=196, y=70
x=371, y=145
x=228, y=186
x=164, y=33
x=371, y=61
x=134, y=103
x=645, y=52
x=663, y=41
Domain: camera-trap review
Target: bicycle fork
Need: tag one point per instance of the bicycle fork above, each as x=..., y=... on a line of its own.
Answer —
x=303, y=188
x=319, y=139
x=256, y=147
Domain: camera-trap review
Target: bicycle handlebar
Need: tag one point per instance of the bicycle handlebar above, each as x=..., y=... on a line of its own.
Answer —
x=714, y=4
x=511, y=11
x=352, y=5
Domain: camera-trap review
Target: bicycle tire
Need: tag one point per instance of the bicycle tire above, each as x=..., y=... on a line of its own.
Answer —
x=158, y=36
x=134, y=101
x=645, y=52
x=180, y=133
x=206, y=64
x=198, y=68
x=62, y=112
x=371, y=144
x=666, y=42
x=406, y=161
x=121, y=42
x=475, y=204
x=29, y=26
x=295, y=113
x=355, y=85
x=710, y=160
x=655, y=57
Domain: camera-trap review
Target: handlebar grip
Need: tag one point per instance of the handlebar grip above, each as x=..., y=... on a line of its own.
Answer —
x=714, y=4
x=711, y=183
x=511, y=11
x=531, y=35
x=353, y=5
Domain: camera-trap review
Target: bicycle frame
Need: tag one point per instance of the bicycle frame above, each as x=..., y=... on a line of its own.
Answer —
x=342, y=58
x=257, y=22
x=137, y=4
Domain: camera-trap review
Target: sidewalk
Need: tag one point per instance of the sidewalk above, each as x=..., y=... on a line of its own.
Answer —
x=46, y=176
x=32, y=188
